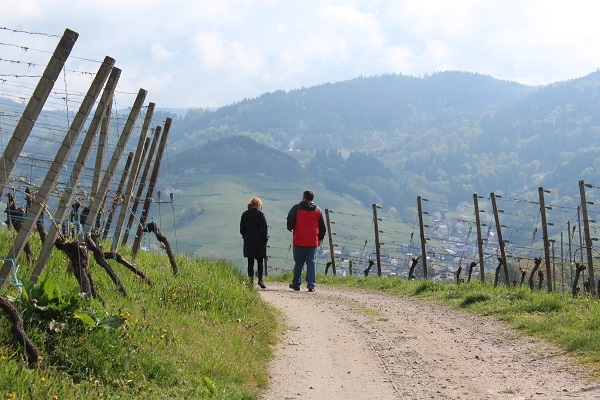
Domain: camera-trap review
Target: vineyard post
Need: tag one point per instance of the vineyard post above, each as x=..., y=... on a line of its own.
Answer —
x=580, y=241
x=84, y=152
x=330, y=235
x=150, y=192
x=115, y=203
x=422, y=231
x=479, y=237
x=90, y=220
x=570, y=246
x=133, y=176
x=142, y=185
x=120, y=201
x=588, y=239
x=101, y=148
x=546, y=240
x=500, y=241
x=34, y=107
x=377, y=244
x=133, y=199
x=55, y=169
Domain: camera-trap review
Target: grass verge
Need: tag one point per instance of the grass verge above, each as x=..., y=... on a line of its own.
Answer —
x=204, y=333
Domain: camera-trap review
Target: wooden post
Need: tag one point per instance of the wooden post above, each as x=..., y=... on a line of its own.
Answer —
x=479, y=237
x=500, y=241
x=588, y=239
x=90, y=220
x=153, y=177
x=422, y=231
x=53, y=173
x=377, y=244
x=118, y=196
x=131, y=214
x=330, y=235
x=34, y=107
x=350, y=267
x=101, y=149
x=133, y=176
x=86, y=147
x=545, y=239
x=142, y=184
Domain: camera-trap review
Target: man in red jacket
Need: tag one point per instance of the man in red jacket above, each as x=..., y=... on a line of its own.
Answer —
x=305, y=220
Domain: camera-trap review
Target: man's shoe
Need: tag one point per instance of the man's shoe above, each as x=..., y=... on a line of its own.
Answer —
x=261, y=284
x=311, y=289
x=296, y=288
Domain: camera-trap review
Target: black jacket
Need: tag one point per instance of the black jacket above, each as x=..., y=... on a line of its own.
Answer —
x=253, y=228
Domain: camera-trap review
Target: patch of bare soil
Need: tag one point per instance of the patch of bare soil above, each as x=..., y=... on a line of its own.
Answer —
x=350, y=344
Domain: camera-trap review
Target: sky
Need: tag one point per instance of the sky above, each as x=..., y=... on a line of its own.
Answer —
x=211, y=53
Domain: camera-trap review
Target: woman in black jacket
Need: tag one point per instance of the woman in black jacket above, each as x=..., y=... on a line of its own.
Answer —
x=253, y=228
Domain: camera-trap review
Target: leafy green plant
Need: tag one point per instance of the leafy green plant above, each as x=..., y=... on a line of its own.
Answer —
x=46, y=304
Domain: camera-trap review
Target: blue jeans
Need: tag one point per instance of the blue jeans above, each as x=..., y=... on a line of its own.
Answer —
x=308, y=255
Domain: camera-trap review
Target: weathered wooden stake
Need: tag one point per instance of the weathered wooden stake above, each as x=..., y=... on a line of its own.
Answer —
x=500, y=241
x=142, y=184
x=35, y=105
x=90, y=220
x=133, y=176
x=118, y=196
x=151, y=184
x=53, y=173
x=84, y=152
x=545, y=239
x=588, y=239
x=377, y=244
x=422, y=231
x=330, y=235
x=479, y=238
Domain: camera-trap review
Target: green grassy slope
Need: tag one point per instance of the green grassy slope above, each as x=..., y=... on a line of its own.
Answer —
x=204, y=333
x=214, y=233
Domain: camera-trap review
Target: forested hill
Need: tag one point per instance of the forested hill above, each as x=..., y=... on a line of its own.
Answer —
x=388, y=139
x=338, y=115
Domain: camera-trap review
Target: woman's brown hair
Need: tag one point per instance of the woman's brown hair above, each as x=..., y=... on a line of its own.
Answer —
x=255, y=202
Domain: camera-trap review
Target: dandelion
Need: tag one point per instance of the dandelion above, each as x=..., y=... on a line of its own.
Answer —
x=43, y=379
x=40, y=358
x=54, y=397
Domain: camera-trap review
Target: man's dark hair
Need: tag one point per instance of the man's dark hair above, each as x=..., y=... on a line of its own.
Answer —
x=308, y=195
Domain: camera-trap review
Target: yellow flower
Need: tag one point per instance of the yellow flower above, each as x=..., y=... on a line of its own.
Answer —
x=43, y=379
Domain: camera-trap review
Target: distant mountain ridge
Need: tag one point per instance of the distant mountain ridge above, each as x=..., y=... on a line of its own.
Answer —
x=388, y=139
x=444, y=136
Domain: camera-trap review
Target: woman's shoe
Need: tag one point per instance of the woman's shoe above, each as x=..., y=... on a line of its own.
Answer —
x=261, y=284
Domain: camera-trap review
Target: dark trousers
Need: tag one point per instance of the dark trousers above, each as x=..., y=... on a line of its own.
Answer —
x=259, y=267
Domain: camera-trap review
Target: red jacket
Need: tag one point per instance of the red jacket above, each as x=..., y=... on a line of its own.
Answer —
x=305, y=219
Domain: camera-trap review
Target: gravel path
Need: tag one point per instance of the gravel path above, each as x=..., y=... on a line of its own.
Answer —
x=349, y=344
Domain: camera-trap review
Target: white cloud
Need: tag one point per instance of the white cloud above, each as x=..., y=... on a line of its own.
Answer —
x=217, y=52
x=161, y=53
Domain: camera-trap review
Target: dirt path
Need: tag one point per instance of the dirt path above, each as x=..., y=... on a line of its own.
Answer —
x=348, y=344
